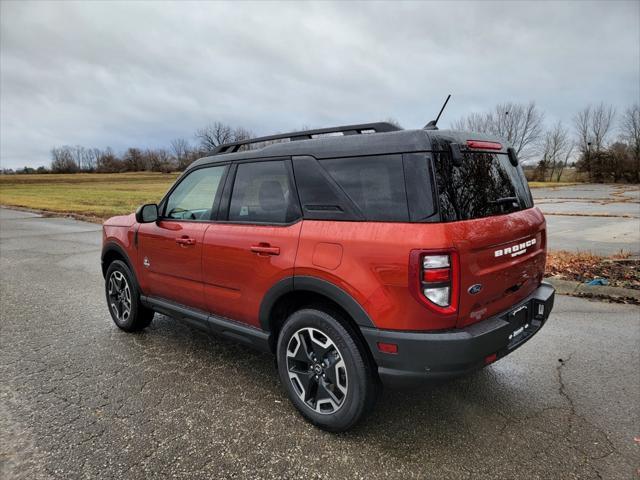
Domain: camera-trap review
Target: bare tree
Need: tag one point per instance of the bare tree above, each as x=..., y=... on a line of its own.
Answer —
x=213, y=135
x=158, y=160
x=630, y=129
x=474, y=122
x=602, y=118
x=62, y=160
x=556, y=151
x=180, y=148
x=134, y=160
x=518, y=124
x=77, y=153
x=593, y=126
x=630, y=125
x=582, y=122
x=182, y=152
x=565, y=156
x=108, y=162
x=241, y=134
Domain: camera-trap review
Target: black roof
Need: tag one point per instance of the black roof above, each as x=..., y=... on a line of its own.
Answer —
x=361, y=144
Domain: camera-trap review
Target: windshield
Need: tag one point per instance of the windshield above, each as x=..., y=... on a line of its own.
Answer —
x=485, y=184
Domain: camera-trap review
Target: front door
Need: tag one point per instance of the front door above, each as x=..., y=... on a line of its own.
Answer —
x=254, y=243
x=170, y=250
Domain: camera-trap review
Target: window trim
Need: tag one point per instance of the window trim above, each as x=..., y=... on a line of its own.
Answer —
x=225, y=204
x=217, y=197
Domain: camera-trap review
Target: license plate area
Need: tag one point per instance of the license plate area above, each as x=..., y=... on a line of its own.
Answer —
x=522, y=327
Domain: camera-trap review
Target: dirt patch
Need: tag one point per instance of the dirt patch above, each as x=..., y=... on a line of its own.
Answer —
x=48, y=214
x=621, y=270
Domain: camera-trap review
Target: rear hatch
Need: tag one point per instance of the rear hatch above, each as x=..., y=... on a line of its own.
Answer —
x=486, y=204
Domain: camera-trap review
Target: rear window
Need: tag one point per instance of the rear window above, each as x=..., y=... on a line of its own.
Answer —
x=485, y=184
x=375, y=184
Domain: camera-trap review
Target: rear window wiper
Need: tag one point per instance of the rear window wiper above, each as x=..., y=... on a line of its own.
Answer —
x=511, y=201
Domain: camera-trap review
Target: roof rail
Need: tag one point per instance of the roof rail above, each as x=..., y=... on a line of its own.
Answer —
x=307, y=135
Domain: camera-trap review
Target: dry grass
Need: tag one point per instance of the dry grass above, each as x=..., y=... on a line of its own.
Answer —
x=551, y=184
x=91, y=195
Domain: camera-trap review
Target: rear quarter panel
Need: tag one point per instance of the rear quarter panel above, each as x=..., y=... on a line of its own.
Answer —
x=373, y=265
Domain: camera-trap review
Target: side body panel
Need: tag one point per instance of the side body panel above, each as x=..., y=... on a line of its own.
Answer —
x=237, y=275
x=168, y=269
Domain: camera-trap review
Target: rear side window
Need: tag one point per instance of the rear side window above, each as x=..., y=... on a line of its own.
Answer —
x=263, y=193
x=485, y=184
x=375, y=185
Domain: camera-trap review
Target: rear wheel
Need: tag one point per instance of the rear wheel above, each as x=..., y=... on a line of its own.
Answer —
x=123, y=298
x=325, y=371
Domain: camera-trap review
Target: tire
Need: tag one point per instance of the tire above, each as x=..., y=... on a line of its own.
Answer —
x=123, y=298
x=325, y=370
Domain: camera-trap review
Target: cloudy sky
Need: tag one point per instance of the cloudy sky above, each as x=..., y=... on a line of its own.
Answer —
x=140, y=74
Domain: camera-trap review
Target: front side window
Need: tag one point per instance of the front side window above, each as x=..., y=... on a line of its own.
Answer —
x=193, y=198
x=263, y=193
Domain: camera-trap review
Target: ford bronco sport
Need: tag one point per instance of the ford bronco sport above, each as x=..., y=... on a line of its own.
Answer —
x=361, y=256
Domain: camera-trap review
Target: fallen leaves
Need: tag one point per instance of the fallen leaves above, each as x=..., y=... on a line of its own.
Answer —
x=620, y=270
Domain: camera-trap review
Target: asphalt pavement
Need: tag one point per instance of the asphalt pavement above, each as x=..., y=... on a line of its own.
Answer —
x=597, y=218
x=81, y=399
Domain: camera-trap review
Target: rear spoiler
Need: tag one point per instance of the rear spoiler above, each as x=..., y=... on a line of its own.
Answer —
x=456, y=150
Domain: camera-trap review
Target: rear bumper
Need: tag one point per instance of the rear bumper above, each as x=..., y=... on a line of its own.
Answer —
x=425, y=356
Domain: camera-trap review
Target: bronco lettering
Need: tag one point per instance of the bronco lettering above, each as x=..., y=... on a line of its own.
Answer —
x=515, y=250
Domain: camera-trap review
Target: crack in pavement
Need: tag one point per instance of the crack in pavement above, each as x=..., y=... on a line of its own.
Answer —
x=573, y=415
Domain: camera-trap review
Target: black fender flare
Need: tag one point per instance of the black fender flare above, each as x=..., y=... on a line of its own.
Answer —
x=114, y=247
x=315, y=285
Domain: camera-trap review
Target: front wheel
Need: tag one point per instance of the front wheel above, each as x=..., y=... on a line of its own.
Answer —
x=123, y=298
x=325, y=370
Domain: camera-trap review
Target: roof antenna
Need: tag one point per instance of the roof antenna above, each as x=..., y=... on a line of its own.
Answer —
x=432, y=124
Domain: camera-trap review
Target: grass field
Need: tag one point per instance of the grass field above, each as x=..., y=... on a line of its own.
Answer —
x=98, y=195
x=550, y=184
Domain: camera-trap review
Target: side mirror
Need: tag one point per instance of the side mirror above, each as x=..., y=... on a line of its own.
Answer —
x=513, y=156
x=147, y=213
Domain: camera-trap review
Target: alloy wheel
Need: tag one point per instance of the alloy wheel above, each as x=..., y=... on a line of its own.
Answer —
x=119, y=296
x=317, y=370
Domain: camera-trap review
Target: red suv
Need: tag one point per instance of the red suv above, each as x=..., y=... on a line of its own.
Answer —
x=360, y=255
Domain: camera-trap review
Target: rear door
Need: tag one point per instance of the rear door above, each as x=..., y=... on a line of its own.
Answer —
x=170, y=250
x=254, y=243
x=499, y=237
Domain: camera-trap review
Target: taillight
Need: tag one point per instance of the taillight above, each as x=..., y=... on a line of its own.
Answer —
x=434, y=279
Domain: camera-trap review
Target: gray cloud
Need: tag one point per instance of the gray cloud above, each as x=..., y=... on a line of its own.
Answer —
x=116, y=74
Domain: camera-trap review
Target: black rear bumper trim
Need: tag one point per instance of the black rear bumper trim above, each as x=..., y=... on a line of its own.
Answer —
x=425, y=356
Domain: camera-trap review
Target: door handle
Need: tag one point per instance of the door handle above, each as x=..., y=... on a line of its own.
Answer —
x=265, y=249
x=185, y=241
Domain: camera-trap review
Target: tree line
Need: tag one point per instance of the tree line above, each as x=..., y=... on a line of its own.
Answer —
x=178, y=156
x=601, y=144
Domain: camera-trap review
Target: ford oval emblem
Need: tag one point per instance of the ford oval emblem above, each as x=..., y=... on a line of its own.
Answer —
x=473, y=289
